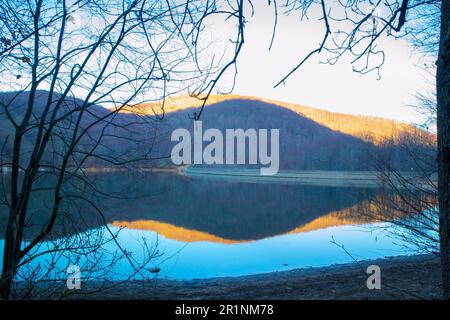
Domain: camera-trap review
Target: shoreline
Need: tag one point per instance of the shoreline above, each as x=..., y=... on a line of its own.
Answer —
x=361, y=179
x=403, y=277
x=329, y=178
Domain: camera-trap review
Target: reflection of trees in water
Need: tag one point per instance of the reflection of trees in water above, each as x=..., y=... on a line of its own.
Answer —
x=413, y=211
x=230, y=210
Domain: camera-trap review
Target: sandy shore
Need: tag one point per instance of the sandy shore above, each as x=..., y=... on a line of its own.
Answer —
x=414, y=277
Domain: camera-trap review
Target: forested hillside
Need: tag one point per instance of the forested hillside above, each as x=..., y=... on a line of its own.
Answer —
x=310, y=139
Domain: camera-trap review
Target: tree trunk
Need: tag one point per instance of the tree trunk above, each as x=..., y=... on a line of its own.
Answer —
x=443, y=129
x=7, y=275
x=5, y=287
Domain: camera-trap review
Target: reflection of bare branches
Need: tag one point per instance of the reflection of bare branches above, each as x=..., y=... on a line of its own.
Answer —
x=410, y=200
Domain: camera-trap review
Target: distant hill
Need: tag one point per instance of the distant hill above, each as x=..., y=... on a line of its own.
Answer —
x=124, y=137
x=310, y=139
x=372, y=129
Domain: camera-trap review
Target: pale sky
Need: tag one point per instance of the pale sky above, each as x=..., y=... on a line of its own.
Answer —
x=335, y=88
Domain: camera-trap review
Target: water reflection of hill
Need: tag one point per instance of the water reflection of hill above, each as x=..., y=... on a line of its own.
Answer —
x=348, y=216
x=233, y=211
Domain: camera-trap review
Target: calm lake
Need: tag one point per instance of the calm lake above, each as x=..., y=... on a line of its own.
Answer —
x=203, y=228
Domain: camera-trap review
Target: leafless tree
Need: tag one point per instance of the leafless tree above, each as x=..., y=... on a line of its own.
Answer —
x=412, y=197
x=60, y=60
x=409, y=200
x=353, y=28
